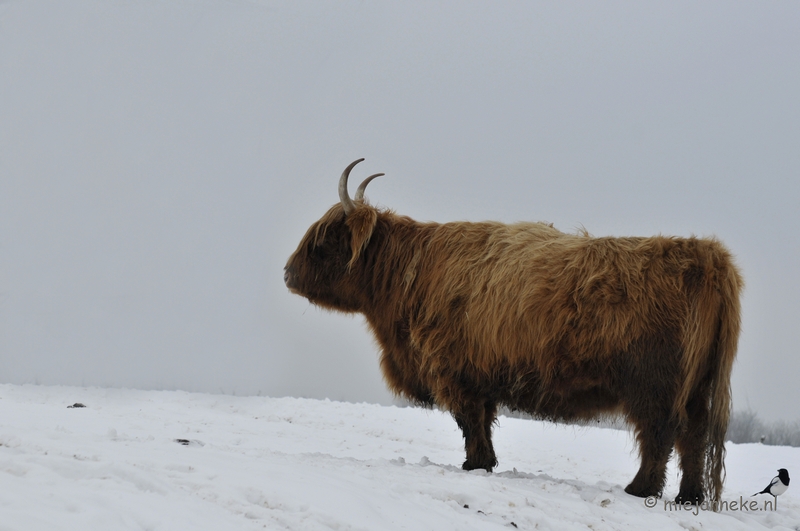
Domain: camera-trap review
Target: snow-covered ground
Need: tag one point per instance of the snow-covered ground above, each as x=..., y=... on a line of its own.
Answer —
x=289, y=463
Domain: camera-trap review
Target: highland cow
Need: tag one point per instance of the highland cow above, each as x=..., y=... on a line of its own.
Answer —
x=565, y=327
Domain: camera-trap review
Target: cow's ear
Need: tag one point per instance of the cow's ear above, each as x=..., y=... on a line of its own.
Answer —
x=361, y=222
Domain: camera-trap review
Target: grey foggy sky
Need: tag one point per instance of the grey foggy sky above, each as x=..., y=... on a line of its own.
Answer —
x=160, y=160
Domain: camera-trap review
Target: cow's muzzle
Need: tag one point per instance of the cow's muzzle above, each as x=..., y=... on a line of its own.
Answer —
x=289, y=278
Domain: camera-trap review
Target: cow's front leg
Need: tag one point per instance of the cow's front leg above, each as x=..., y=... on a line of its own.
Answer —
x=475, y=418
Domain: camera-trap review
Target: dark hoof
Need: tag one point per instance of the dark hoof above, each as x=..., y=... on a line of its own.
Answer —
x=694, y=498
x=642, y=492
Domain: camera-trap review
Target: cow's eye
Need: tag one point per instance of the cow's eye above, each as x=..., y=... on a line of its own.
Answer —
x=320, y=252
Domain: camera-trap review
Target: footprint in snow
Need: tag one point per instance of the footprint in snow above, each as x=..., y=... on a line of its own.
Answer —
x=187, y=442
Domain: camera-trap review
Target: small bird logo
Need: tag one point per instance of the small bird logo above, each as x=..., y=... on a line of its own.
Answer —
x=778, y=485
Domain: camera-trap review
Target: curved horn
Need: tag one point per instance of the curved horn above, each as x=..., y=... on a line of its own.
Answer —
x=344, y=197
x=363, y=186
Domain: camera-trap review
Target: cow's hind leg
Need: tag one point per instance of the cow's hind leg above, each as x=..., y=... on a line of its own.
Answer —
x=475, y=418
x=691, y=446
x=655, y=438
x=651, y=381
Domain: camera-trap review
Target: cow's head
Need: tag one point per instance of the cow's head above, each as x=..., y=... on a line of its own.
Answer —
x=326, y=268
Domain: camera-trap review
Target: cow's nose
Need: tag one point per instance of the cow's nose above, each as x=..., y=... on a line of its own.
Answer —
x=287, y=276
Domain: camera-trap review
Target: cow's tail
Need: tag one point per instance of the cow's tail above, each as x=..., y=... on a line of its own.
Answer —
x=710, y=346
x=720, y=407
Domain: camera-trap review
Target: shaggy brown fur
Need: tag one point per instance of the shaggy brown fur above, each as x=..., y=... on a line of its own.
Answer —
x=471, y=316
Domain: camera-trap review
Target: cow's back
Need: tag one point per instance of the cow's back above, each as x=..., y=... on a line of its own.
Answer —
x=526, y=293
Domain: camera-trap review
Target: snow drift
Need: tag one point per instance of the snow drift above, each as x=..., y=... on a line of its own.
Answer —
x=159, y=460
